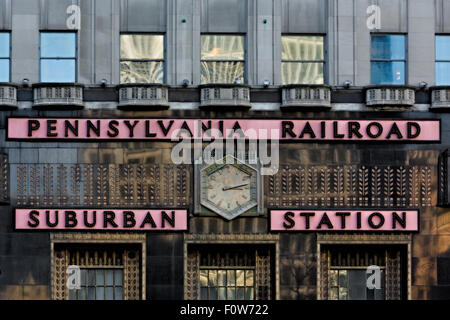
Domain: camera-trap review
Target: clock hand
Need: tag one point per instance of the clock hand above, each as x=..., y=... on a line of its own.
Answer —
x=234, y=187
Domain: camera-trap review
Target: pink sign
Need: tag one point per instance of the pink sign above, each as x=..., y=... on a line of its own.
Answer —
x=167, y=129
x=107, y=219
x=344, y=220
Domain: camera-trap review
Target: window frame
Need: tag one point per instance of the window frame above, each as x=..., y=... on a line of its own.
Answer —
x=164, y=60
x=9, y=54
x=244, y=35
x=324, y=61
x=75, y=58
x=436, y=60
x=405, y=60
x=59, y=291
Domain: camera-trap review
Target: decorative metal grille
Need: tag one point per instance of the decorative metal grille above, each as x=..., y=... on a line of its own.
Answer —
x=102, y=185
x=4, y=179
x=393, y=276
x=192, y=276
x=263, y=279
x=350, y=186
x=324, y=269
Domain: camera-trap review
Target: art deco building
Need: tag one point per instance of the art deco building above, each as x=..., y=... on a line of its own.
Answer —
x=92, y=94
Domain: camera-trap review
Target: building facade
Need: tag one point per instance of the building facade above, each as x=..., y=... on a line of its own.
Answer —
x=348, y=101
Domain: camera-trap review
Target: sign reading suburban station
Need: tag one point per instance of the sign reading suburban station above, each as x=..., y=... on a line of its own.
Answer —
x=224, y=150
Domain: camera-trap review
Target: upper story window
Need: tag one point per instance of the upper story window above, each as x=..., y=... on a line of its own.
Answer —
x=442, y=60
x=4, y=57
x=58, y=57
x=388, y=59
x=302, y=59
x=141, y=58
x=223, y=59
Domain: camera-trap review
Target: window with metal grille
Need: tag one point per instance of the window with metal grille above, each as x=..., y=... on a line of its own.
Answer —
x=344, y=272
x=58, y=61
x=5, y=62
x=302, y=59
x=443, y=60
x=388, y=59
x=107, y=272
x=142, y=58
x=222, y=59
x=229, y=272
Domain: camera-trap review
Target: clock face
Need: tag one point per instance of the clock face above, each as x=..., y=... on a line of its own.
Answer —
x=229, y=189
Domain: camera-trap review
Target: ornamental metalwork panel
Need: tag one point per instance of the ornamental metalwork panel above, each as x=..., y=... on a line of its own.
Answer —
x=60, y=264
x=192, y=276
x=324, y=268
x=4, y=179
x=393, y=276
x=350, y=186
x=263, y=278
x=102, y=185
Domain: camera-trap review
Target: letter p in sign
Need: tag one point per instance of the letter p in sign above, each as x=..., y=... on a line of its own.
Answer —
x=374, y=277
x=73, y=278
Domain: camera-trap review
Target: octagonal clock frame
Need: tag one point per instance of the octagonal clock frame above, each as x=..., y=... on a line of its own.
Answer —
x=227, y=181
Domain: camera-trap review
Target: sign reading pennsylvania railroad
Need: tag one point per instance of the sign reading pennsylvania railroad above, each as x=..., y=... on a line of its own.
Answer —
x=167, y=129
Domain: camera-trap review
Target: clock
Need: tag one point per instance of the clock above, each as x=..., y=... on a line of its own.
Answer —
x=229, y=188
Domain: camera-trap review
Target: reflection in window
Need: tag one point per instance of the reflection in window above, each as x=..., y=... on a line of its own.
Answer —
x=141, y=58
x=58, y=57
x=4, y=56
x=351, y=284
x=99, y=284
x=388, y=59
x=302, y=59
x=222, y=59
x=442, y=60
x=227, y=284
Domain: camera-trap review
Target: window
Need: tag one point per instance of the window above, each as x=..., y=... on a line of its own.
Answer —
x=99, y=284
x=4, y=57
x=302, y=59
x=227, y=284
x=58, y=57
x=350, y=284
x=442, y=60
x=229, y=272
x=222, y=59
x=344, y=272
x=141, y=58
x=107, y=271
x=388, y=59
